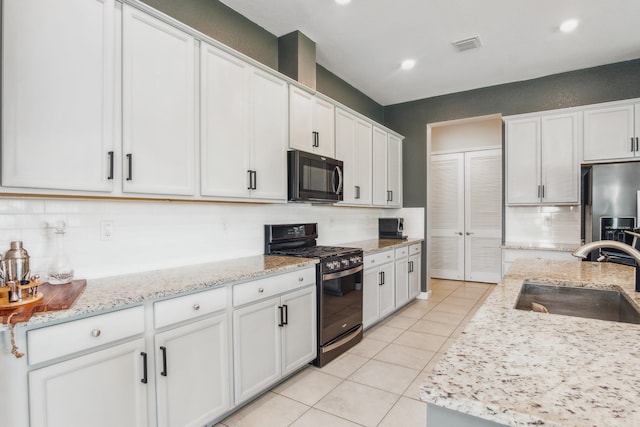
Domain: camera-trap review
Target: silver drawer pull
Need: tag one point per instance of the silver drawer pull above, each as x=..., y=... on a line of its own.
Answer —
x=261, y=290
x=96, y=332
x=196, y=307
x=300, y=279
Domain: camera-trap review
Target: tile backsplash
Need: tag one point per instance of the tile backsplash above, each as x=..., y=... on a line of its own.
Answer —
x=542, y=224
x=149, y=235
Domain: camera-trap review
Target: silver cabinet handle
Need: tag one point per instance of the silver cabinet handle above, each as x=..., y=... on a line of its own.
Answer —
x=196, y=307
x=633, y=145
x=469, y=233
x=261, y=290
x=96, y=333
x=459, y=233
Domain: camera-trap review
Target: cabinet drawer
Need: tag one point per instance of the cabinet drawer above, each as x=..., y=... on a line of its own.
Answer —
x=67, y=338
x=264, y=288
x=188, y=307
x=402, y=252
x=379, y=258
x=416, y=248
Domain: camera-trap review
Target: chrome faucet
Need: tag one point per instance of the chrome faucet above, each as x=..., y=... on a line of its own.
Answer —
x=584, y=250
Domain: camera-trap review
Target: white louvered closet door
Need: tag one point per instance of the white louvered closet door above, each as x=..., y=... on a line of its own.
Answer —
x=447, y=216
x=483, y=215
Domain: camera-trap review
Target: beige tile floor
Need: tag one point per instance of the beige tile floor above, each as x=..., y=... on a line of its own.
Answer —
x=377, y=382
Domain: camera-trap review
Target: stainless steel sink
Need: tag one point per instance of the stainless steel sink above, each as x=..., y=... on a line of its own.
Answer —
x=603, y=304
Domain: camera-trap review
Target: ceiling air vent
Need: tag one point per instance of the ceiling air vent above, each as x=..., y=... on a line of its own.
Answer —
x=467, y=44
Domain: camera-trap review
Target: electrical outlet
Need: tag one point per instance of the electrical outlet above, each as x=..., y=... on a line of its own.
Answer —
x=106, y=230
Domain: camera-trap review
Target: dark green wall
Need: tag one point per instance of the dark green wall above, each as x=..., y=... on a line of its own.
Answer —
x=222, y=23
x=589, y=86
x=225, y=25
x=336, y=88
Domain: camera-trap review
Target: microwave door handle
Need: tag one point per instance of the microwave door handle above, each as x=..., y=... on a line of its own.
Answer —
x=337, y=189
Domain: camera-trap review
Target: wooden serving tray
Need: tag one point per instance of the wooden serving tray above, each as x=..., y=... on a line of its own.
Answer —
x=54, y=297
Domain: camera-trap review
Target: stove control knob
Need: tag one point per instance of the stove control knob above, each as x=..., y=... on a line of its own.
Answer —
x=329, y=265
x=345, y=262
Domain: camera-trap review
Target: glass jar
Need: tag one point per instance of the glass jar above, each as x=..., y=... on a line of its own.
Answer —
x=60, y=269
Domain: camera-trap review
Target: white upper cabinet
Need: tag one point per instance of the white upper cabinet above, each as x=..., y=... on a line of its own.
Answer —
x=354, y=148
x=158, y=111
x=394, y=171
x=311, y=123
x=612, y=133
x=243, y=129
x=58, y=94
x=542, y=163
x=387, y=169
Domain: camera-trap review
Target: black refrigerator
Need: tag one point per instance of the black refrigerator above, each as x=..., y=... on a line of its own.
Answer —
x=610, y=207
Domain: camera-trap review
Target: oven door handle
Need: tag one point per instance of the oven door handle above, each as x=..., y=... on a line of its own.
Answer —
x=339, y=274
x=342, y=341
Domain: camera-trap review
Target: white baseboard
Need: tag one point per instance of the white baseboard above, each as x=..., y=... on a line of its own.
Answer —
x=424, y=295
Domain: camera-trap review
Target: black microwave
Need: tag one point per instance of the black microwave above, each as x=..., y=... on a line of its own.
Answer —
x=314, y=178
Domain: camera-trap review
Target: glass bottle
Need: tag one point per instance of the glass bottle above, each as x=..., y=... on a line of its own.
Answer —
x=60, y=269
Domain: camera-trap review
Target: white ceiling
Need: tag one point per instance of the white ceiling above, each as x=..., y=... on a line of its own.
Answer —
x=364, y=42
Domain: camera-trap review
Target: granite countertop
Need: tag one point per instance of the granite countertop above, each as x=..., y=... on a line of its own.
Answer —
x=522, y=368
x=376, y=245
x=559, y=247
x=119, y=291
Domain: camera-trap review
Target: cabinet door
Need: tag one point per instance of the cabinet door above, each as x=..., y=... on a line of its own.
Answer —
x=363, y=162
x=57, y=94
x=224, y=124
x=193, y=372
x=559, y=156
x=158, y=106
x=299, y=334
x=269, y=110
x=402, y=281
x=380, y=165
x=346, y=151
x=447, y=216
x=103, y=388
x=370, y=297
x=387, y=289
x=324, y=124
x=483, y=215
x=414, y=275
x=608, y=133
x=257, y=348
x=523, y=161
x=301, y=107
x=394, y=174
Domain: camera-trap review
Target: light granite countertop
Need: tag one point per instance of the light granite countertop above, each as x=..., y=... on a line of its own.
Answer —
x=539, y=246
x=376, y=245
x=523, y=368
x=119, y=291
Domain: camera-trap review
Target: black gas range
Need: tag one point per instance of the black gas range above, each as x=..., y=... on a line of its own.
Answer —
x=339, y=285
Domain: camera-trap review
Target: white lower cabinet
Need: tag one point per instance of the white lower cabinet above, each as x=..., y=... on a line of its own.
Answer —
x=402, y=275
x=192, y=372
x=391, y=280
x=415, y=268
x=379, y=287
x=275, y=336
x=103, y=388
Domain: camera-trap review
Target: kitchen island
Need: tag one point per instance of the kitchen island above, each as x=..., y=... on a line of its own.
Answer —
x=522, y=368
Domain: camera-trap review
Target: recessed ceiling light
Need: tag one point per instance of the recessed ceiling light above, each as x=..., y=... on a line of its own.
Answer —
x=343, y=2
x=569, y=25
x=408, y=64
